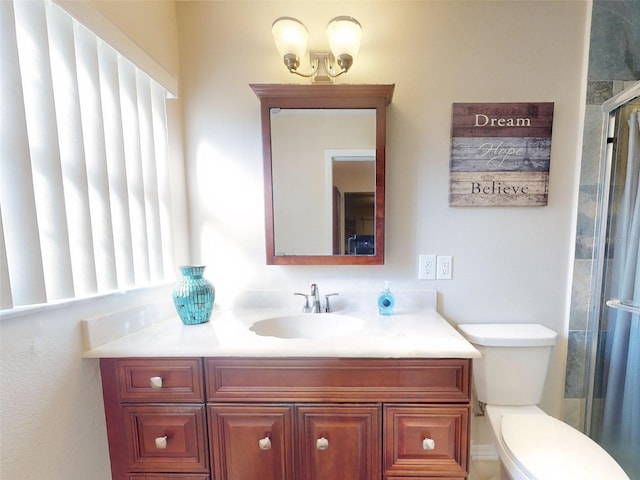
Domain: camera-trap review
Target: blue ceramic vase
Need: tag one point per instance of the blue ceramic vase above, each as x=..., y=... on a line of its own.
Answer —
x=193, y=296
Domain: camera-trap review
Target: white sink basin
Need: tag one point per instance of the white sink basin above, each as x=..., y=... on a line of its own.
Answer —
x=307, y=325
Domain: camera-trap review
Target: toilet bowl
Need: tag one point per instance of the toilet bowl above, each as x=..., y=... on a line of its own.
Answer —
x=534, y=445
x=508, y=381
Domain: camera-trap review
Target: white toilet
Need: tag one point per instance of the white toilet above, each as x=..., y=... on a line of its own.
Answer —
x=509, y=379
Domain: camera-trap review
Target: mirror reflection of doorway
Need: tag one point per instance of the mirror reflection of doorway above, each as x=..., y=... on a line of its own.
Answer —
x=353, y=212
x=359, y=223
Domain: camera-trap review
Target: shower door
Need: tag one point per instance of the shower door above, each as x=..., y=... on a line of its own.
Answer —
x=613, y=410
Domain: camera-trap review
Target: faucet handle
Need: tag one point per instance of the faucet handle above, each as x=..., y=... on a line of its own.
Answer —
x=327, y=305
x=306, y=308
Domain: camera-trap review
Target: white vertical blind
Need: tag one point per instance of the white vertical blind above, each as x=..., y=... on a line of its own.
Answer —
x=149, y=174
x=17, y=198
x=93, y=131
x=44, y=147
x=85, y=203
x=5, y=294
x=72, y=153
x=116, y=168
x=159, y=118
x=133, y=162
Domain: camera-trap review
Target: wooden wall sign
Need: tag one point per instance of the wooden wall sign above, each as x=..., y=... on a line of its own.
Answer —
x=500, y=154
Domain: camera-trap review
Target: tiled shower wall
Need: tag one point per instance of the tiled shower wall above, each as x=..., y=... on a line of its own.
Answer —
x=614, y=64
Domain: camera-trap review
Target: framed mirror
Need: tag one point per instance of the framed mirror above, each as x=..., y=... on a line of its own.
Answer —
x=324, y=172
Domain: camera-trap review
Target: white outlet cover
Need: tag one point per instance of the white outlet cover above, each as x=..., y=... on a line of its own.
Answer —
x=444, y=267
x=426, y=267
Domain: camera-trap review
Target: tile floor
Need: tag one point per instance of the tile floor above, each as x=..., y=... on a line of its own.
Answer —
x=485, y=470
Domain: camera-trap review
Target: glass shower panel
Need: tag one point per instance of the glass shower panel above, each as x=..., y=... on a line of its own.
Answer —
x=615, y=407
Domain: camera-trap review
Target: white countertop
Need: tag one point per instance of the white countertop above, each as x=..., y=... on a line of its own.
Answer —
x=420, y=333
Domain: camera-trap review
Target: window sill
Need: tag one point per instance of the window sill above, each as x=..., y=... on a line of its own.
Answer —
x=82, y=303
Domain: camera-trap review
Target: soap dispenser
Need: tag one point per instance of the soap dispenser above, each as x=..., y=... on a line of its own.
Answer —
x=386, y=302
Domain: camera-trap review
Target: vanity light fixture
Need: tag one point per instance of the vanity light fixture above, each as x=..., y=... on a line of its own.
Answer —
x=291, y=38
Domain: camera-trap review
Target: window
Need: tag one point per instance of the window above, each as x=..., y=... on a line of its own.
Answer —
x=85, y=195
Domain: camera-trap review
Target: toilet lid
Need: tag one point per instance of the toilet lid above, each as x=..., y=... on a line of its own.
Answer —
x=547, y=449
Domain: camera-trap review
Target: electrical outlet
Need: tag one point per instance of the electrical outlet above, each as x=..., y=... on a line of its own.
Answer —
x=444, y=267
x=426, y=267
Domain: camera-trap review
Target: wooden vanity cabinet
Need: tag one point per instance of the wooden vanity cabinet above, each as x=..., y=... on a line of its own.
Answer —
x=156, y=418
x=288, y=418
x=385, y=419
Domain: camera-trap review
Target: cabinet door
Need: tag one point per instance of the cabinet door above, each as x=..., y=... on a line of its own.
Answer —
x=339, y=442
x=424, y=440
x=250, y=442
x=166, y=438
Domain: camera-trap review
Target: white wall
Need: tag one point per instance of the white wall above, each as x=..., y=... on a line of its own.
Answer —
x=52, y=423
x=510, y=264
x=51, y=410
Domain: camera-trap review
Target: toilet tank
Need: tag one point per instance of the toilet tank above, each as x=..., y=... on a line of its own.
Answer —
x=514, y=363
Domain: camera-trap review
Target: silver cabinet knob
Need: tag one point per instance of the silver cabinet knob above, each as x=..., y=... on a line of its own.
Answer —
x=264, y=443
x=428, y=444
x=322, y=443
x=161, y=442
x=155, y=382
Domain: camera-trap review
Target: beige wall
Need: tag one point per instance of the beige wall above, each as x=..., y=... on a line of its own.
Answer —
x=152, y=27
x=510, y=264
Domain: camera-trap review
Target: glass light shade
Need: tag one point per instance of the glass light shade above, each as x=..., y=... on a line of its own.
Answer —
x=291, y=36
x=344, y=36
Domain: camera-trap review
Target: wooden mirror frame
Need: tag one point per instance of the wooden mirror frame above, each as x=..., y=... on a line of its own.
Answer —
x=325, y=97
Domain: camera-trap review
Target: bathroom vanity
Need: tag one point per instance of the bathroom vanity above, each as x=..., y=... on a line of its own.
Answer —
x=388, y=400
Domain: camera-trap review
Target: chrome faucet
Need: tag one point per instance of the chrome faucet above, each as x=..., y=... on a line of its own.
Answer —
x=312, y=302
x=315, y=295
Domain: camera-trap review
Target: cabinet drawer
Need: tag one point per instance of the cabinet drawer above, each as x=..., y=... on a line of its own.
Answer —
x=338, y=380
x=164, y=476
x=160, y=380
x=426, y=440
x=166, y=438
